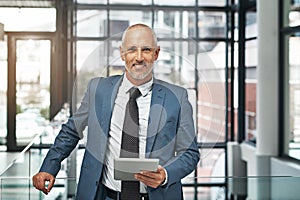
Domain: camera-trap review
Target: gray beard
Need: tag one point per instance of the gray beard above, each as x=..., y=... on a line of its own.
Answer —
x=139, y=76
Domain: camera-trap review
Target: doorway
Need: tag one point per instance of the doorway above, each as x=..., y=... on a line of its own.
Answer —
x=30, y=58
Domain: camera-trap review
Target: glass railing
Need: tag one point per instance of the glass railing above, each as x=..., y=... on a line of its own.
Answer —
x=254, y=188
x=248, y=188
x=17, y=170
x=16, y=183
x=15, y=188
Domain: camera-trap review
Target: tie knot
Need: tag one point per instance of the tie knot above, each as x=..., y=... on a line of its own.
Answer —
x=134, y=93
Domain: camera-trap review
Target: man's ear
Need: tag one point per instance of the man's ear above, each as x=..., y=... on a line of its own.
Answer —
x=122, y=53
x=157, y=52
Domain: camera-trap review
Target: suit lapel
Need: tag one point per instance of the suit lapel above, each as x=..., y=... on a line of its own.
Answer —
x=158, y=97
x=107, y=89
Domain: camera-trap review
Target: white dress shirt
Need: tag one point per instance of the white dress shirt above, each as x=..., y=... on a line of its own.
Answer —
x=116, y=126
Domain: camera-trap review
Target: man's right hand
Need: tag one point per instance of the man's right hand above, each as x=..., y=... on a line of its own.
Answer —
x=39, y=181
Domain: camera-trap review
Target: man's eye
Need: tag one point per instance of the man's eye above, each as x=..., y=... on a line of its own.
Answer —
x=135, y=49
x=147, y=50
x=131, y=49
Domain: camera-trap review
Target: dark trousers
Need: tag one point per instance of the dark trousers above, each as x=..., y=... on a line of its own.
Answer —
x=104, y=193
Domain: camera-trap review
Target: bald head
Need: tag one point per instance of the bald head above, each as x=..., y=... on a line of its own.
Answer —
x=139, y=27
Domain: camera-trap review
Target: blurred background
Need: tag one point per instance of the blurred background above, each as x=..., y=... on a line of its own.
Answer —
x=238, y=59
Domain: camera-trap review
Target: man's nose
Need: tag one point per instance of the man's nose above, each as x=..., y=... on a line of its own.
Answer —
x=139, y=55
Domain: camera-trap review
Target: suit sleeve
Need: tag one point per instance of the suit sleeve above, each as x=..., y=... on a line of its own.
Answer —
x=186, y=148
x=68, y=137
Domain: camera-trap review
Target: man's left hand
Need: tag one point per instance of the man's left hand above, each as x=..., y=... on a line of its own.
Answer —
x=152, y=178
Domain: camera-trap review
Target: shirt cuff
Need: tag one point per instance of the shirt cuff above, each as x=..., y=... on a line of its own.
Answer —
x=166, y=180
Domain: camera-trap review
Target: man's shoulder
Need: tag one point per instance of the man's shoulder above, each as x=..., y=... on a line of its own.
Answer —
x=105, y=79
x=99, y=82
x=169, y=85
x=102, y=78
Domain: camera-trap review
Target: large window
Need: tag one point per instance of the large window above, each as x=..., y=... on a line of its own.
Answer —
x=3, y=91
x=194, y=54
x=290, y=78
x=294, y=95
x=41, y=19
x=25, y=60
x=250, y=76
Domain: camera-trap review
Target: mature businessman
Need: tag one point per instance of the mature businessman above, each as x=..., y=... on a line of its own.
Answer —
x=165, y=129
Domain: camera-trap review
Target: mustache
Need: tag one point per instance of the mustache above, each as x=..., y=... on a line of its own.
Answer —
x=139, y=63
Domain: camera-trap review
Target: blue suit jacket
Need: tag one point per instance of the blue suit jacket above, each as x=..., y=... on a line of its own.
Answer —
x=170, y=136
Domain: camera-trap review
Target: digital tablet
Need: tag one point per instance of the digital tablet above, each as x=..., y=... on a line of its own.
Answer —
x=125, y=168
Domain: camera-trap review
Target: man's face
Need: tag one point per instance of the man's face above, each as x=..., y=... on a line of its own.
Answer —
x=139, y=53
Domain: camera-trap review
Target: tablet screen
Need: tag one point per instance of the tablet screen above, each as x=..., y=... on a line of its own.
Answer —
x=125, y=168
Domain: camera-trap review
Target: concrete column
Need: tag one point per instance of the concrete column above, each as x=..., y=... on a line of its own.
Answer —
x=267, y=93
x=267, y=77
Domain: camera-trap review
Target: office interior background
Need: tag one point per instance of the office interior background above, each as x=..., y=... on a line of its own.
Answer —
x=239, y=60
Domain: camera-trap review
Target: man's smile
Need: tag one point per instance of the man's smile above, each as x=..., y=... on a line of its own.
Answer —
x=139, y=66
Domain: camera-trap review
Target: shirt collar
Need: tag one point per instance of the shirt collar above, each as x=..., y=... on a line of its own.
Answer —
x=144, y=88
